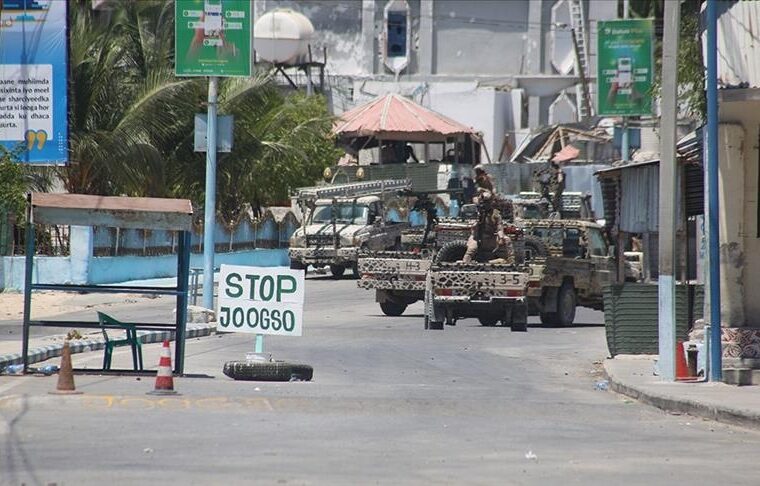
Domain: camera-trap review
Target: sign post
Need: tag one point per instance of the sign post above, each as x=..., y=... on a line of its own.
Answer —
x=212, y=38
x=625, y=71
x=260, y=301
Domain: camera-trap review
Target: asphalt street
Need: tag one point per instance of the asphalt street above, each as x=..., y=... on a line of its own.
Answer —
x=390, y=403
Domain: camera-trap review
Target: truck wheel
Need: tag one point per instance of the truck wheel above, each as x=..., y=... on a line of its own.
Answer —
x=296, y=265
x=548, y=318
x=452, y=251
x=392, y=309
x=337, y=270
x=519, y=319
x=566, y=305
x=355, y=269
x=487, y=321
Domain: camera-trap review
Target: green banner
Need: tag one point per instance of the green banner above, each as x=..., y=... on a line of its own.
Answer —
x=625, y=67
x=212, y=37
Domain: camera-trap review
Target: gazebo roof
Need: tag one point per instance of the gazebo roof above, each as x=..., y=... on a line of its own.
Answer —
x=393, y=117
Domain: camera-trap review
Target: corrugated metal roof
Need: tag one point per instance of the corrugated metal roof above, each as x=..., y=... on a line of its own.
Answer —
x=738, y=44
x=120, y=212
x=393, y=117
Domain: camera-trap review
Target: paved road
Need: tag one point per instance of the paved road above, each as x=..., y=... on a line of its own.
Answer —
x=390, y=404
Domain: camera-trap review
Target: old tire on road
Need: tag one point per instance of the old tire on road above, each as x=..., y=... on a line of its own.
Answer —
x=267, y=371
x=566, y=305
x=337, y=271
x=392, y=308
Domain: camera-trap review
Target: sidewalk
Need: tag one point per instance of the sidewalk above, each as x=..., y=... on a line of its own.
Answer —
x=633, y=376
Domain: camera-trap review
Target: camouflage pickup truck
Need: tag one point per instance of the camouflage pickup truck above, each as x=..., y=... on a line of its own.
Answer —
x=566, y=264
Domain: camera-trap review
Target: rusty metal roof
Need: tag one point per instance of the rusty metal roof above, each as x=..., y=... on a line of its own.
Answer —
x=393, y=117
x=121, y=212
x=738, y=44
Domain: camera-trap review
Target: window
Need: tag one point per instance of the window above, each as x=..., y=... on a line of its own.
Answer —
x=396, y=39
x=344, y=213
x=597, y=245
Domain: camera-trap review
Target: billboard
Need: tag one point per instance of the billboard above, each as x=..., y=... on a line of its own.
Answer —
x=33, y=79
x=212, y=38
x=625, y=67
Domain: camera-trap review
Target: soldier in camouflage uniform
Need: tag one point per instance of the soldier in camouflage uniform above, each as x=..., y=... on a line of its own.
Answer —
x=550, y=183
x=488, y=234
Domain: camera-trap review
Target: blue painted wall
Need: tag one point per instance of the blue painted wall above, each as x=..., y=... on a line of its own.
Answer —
x=101, y=270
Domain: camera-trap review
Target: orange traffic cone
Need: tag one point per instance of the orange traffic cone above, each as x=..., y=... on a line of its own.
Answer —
x=682, y=368
x=66, y=374
x=164, y=380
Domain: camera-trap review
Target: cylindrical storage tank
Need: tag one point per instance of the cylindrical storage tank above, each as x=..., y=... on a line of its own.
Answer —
x=282, y=36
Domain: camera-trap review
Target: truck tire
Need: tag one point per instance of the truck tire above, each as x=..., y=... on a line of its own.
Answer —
x=488, y=321
x=548, y=318
x=296, y=265
x=519, y=319
x=267, y=371
x=451, y=252
x=433, y=325
x=392, y=309
x=337, y=271
x=355, y=269
x=534, y=248
x=566, y=305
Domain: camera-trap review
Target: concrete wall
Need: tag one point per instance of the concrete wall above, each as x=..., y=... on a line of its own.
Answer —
x=740, y=245
x=81, y=267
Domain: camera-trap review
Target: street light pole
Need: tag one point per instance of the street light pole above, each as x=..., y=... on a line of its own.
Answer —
x=716, y=350
x=668, y=193
x=209, y=211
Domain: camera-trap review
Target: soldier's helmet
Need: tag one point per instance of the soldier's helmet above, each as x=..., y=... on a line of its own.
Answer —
x=479, y=169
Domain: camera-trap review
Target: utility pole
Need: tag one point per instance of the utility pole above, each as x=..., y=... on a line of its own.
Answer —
x=209, y=209
x=668, y=191
x=716, y=350
x=625, y=145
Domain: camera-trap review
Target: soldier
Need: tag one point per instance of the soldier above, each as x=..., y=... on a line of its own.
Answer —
x=557, y=186
x=483, y=181
x=488, y=234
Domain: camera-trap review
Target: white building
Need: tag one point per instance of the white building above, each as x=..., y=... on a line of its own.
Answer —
x=500, y=66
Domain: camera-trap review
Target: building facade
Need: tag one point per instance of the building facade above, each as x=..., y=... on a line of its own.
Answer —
x=502, y=67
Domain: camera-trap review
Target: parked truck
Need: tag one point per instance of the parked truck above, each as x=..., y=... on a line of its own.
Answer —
x=340, y=220
x=566, y=264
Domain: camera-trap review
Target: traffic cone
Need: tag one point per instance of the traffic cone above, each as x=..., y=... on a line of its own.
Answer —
x=164, y=380
x=66, y=374
x=682, y=368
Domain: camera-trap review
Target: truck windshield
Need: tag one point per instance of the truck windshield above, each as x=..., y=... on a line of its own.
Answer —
x=552, y=236
x=344, y=213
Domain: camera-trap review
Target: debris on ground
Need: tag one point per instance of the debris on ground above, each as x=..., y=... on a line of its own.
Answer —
x=531, y=456
x=603, y=385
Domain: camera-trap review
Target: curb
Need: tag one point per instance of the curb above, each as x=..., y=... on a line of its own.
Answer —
x=86, y=345
x=723, y=414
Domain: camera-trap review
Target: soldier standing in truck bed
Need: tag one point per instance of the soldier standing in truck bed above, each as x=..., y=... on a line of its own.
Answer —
x=483, y=181
x=488, y=234
x=550, y=183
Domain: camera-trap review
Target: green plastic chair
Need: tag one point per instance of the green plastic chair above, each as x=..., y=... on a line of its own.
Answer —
x=131, y=340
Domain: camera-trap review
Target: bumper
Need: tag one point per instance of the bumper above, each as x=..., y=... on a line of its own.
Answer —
x=323, y=256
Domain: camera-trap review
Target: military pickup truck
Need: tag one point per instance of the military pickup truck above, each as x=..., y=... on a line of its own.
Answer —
x=340, y=220
x=566, y=264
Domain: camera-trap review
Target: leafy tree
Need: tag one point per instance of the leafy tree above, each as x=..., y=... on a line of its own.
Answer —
x=132, y=120
x=691, y=72
x=13, y=182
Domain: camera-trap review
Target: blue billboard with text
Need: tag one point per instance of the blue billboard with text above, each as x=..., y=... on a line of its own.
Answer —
x=33, y=80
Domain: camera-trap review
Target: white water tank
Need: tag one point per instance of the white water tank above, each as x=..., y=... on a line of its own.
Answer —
x=282, y=36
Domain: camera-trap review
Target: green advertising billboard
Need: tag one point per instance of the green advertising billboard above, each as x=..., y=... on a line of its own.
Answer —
x=212, y=37
x=625, y=67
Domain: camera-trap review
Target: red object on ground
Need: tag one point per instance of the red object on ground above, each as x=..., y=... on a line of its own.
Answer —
x=682, y=368
x=164, y=378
